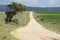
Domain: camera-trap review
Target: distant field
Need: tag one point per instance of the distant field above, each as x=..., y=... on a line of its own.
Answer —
x=49, y=19
x=48, y=12
x=5, y=29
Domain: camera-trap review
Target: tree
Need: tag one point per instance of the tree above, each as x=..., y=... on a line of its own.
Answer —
x=13, y=9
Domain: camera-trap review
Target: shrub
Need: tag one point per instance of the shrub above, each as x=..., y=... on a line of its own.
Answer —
x=42, y=19
x=9, y=16
x=53, y=22
x=15, y=21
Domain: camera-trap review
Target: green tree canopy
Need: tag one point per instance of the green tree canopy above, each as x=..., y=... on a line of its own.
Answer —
x=17, y=6
x=13, y=9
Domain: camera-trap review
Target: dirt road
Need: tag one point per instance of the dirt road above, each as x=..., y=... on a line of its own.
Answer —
x=34, y=31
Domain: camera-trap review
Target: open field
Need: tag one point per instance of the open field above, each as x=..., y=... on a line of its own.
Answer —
x=48, y=12
x=49, y=19
x=5, y=29
x=34, y=31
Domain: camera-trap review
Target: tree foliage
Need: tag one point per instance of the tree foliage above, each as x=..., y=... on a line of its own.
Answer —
x=17, y=7
x=13, y=9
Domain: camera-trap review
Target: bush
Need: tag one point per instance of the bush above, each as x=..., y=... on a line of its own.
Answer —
x=42, y=19
x=4, y=37
x=15, y=21
x=53, y=22
x=9, y=16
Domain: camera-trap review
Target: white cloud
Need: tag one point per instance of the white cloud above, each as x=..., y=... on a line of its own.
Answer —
x=28, y=2
x=51, y=2
x=31, y=1
x=34, y=3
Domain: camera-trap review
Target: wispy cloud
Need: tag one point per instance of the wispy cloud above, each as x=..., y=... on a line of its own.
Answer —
x=51, y=2
x=35, y=3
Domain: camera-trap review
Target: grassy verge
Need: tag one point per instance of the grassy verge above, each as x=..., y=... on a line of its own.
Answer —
x=50, y=22
x=5, y=29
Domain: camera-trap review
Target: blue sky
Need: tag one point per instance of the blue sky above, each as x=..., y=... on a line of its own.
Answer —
x=34, y=3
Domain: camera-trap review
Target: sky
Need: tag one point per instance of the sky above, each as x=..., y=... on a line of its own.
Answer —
x=34, y=3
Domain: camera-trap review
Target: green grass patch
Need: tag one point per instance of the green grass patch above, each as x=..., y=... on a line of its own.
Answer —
x=55, y=18
x=48, y=12
x=5, y=29
x=50, y=22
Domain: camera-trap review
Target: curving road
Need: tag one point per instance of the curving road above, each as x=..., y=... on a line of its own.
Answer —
x=34, y=31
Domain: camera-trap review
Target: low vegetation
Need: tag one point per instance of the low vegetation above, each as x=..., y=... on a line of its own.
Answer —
x=49, y=19
x=5, y=29
x=48, y=12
